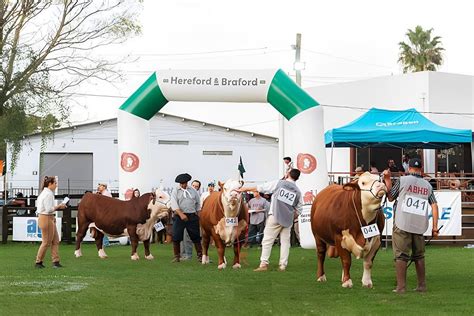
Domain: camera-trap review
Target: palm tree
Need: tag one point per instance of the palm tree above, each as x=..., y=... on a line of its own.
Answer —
x=422, y=52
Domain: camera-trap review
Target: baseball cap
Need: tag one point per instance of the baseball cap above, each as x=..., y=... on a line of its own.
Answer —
x=415, y=163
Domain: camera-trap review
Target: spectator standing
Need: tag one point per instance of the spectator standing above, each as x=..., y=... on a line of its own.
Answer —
x=210, y=189
x=102, y=189
x=257, y=209
x=288, y=166
x=187, y=244
x=186, y=204
x=47, y=222
x=392, y=166
x=405, y=160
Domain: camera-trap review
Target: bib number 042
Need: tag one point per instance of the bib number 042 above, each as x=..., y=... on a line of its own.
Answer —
x=231, y=221
x=286, y=196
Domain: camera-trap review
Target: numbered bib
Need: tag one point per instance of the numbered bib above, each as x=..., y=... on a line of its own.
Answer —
x=231, y=221
x=370, y=230
x=286, y=196
x=415, y=205
x=159, y=226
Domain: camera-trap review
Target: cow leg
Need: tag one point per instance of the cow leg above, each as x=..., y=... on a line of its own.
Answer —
x=348, y=242
x=373, y=247
x=81, y=233
x=236, y=264
x=146, y=245
x=99, y=236
x=346, y=263
x=132, y=232
x=321, y=251
x=205, y=247
x=220, y=251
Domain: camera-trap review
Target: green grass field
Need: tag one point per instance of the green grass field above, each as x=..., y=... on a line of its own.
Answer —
x=118, y=285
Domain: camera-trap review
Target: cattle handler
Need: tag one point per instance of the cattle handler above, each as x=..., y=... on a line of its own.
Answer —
x=186, y=204
x=413, y=194
x=286, y=200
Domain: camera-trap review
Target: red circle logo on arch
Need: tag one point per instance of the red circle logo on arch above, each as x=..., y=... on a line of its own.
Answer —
x=306, y=163
x=129, y=162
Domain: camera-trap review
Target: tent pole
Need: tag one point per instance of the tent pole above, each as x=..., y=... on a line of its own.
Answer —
x=447, y=160
x=332, y=153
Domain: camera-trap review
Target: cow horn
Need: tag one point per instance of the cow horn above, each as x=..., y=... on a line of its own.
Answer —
x=153, y=197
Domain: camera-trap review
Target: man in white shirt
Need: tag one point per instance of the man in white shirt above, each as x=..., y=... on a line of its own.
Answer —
x=102, y=189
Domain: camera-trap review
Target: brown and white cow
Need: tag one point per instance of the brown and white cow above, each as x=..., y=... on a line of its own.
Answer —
x=337, y=214
x=115, y=218
x=224, y=218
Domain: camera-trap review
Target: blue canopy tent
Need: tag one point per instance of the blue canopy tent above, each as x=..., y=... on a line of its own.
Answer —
x=395, y=129
x=379, y=128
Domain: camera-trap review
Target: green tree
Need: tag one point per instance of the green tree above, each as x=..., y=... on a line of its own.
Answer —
x=47, y=49
x=422, y=52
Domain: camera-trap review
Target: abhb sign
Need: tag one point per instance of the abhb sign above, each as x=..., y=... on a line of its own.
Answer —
x=27, y=229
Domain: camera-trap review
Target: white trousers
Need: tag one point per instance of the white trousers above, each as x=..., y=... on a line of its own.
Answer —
x=272, y=230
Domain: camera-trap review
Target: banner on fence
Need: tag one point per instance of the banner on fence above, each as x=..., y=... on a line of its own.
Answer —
x=449, y=205
x=27, y=229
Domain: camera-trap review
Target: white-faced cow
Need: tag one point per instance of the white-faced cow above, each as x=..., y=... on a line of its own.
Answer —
x=224, y=218
x=337, y=215
x=115, y=218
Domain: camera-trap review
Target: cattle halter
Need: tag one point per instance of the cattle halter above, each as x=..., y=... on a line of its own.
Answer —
x=370, y=190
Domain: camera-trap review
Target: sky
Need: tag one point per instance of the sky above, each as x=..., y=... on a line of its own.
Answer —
x=342, y=40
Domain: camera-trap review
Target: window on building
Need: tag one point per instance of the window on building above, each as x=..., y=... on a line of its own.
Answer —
x=217, y=152
x=173, y=142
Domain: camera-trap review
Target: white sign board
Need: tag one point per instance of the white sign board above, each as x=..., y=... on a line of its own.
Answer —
x=27, y=229
x=449, y=206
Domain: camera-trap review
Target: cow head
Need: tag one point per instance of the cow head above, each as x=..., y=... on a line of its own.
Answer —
x=230, y=193
x=159, y=204
x=372, y=191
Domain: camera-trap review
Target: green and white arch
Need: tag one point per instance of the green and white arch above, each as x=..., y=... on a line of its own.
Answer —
x=305, y=119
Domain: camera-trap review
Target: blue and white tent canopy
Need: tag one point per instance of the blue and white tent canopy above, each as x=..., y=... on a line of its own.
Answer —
x=396, y=129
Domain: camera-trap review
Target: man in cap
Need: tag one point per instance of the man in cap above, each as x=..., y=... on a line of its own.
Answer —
x=413, y=194
x=186, y=205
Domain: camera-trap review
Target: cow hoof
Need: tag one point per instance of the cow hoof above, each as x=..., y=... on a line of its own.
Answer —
x=222, y=266
x=102, y=254
x=78, y=253
x=149, y=257
x=236, y=266
x=135, y=257
x=347, y=284
x=368, y=285
x=322, y=278
x=205, y=259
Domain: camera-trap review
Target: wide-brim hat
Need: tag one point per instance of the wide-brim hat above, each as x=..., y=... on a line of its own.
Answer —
x=183, y=178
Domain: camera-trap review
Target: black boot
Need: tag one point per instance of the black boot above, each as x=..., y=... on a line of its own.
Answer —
x=176, y=251
x=198, y=247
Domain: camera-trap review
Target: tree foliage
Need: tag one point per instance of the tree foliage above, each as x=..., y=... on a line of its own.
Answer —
x=422, y=52
x=47, y=49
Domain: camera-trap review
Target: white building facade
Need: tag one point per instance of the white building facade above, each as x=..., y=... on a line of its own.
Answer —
x=83, y=156
x=434, y=94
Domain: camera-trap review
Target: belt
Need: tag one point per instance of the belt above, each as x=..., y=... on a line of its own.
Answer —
x=46, y=214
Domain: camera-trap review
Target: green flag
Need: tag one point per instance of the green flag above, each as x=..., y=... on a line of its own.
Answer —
x=241, y=168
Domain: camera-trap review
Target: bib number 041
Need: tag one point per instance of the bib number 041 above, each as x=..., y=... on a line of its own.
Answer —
x=370, y=230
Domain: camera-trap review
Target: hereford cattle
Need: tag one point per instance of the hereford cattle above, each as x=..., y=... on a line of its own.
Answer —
x=115, y=218
x=337, y=215
x=224, y=218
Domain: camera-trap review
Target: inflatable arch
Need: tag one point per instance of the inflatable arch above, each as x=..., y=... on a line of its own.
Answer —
x=305, y=141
